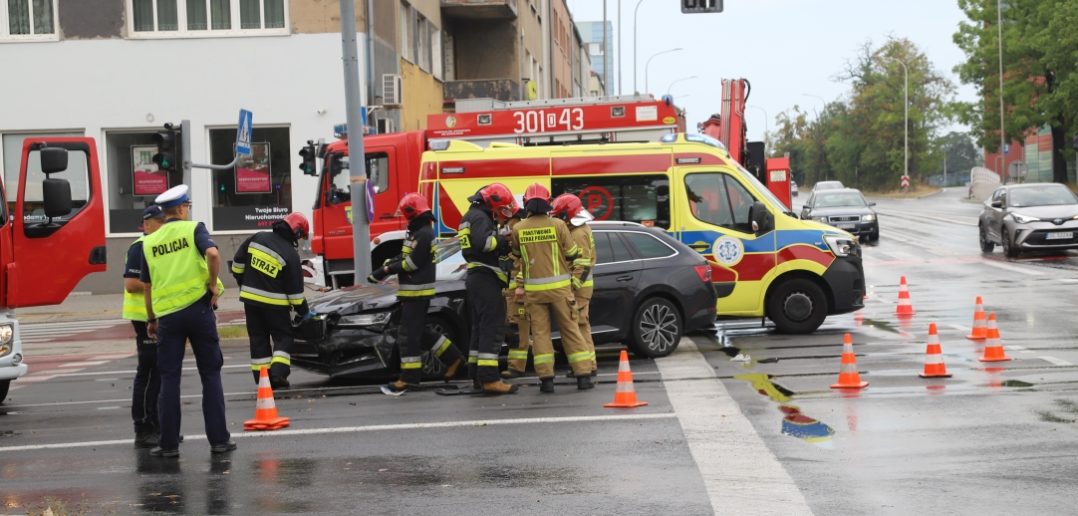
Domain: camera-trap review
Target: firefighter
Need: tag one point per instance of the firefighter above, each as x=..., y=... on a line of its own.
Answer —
x=547, y=249
x=485, y=251
x=180, y=268
x=514, y=306
x=568, y=208
x=415, y=270
x=147, y=383
x=267, y=268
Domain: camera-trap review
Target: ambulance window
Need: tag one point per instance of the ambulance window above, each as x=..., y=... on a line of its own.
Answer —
x=643, y=199
x=719, y=199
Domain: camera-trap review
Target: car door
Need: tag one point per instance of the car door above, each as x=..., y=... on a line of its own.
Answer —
x=616, y=274
x=995, y=214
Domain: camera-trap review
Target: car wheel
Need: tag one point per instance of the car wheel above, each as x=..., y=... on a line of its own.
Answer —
x=657, y=328
x=986, y=245
x=1009, y=249
x=797, y=305
x=4, y=385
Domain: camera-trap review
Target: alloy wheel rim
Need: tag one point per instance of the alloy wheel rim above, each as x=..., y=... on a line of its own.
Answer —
x=659, y=328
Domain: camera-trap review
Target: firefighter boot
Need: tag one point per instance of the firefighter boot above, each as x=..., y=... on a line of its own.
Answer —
x=509, y=374
x=498, y=387
x=451, y=371
x=584, y=383
x=546, y=385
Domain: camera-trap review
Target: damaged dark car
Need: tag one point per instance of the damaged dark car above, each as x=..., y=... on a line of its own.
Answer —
x=650, y=290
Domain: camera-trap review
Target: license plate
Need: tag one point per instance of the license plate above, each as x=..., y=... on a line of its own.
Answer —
x=1059, y=235
x=846, y=225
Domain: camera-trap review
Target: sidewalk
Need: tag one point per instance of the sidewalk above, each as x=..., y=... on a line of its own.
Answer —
x=94, y=307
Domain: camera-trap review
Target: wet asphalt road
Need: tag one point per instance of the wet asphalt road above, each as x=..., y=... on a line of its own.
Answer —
x=990, y=440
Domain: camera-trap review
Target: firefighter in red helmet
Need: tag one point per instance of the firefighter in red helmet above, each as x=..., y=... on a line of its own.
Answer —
x=547, y=249
x=267, y=268
x=568, y=208
x=415, y=271
x=487, y=253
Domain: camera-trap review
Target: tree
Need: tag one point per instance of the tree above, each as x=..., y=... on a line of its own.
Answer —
x=1040, y=79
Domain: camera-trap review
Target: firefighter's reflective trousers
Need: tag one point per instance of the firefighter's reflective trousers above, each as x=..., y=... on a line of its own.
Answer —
x=263, y=324
x=517, y=314
x=487, y=306
x=413, y=335
x=557, y=304
x=584, y=323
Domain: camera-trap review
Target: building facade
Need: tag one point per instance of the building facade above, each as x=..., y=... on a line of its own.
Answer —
x=591, y=33
x=117, y=70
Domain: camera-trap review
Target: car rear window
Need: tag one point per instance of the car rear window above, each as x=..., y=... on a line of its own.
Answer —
x=609, y=248
x=648, y=246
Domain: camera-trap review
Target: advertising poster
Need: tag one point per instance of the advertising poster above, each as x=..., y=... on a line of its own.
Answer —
x=253, y=172
x=147, y=178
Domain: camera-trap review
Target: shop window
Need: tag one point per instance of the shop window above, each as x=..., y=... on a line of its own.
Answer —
x=259, y=190
x=643, y=199
x=134, y=179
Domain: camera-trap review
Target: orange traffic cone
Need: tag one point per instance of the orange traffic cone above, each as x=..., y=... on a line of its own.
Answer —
x=625, y=394
x=979, y=331
x=934, y=366
x=266, y=417
x=993, y=348
x=848, y=377
x=905, y=306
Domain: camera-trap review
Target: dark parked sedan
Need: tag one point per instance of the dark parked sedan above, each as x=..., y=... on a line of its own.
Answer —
x=845, y=209
x=1032, y=216
x=650, y=289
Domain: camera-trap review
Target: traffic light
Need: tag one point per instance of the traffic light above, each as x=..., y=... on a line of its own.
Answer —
x=309, y=153
x=167, y=140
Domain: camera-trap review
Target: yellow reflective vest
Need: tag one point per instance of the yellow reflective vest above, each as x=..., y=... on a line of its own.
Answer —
x=134, y=304
x=178, y=271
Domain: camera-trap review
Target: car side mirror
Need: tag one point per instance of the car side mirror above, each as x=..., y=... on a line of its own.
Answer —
x=56, y=195
x=53, y=159
x=997, y=204
x=762, y=219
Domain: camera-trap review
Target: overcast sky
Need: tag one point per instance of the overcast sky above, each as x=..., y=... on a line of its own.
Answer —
x=791, y=51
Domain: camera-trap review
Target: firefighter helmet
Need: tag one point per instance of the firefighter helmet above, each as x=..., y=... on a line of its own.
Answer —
x=566, y=206
x=412, y=205
x=536, y=191
x=299, y=225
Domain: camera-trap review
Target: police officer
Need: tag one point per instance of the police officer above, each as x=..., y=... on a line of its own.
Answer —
x=484, y=249
x=267, y=268
x=147, y=383
x=516, y=312
x=180, y=268
x=547, y=249
x=568, y=208
x=415, y=270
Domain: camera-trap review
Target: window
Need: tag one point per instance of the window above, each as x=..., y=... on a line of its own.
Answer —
x=643, y=199
x=618, y=251
x=719, y=199
x=77, y=175
x=172, y=18
x=259, y=190
x=406, y=32
x=12, y=145
x=648, y=246
x=377, y=173
x=134, y=180
x=32, y=20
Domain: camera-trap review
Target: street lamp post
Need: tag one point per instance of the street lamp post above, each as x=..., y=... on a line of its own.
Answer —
x=1002, y=137
x=635, y=9
x=906, y=118
x=648, y=63
x=675, y=81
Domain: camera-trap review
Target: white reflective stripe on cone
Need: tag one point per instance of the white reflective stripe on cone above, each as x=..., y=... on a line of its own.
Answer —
x=933, y=359
x=264, y=404
x=847, y=368
x=624, y=387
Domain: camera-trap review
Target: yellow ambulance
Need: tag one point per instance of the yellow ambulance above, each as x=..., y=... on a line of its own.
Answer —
x=765, y=262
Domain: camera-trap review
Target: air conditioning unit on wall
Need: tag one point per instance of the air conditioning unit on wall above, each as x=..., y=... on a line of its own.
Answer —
x=391, y=89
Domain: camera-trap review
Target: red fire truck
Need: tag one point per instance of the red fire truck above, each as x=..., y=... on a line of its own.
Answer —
x=51, y=235
x=393, y=159
x=728, y=126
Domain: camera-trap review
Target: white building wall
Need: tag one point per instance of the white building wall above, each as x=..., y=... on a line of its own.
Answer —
x=95, y=86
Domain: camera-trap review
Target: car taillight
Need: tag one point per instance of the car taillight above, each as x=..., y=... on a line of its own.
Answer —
x=704, y=272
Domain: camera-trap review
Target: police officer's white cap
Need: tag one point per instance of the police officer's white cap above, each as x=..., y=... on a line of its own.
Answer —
x=174, y=196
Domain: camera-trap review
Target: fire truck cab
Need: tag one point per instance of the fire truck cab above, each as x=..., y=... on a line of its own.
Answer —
x=393, y=160
x=52, y=234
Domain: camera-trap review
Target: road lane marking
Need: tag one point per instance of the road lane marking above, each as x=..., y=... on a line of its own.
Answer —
x=1012, y=268
x=1056, y=361
x=132, y=371
x=478, y=423
x=740, y=473
x=85, y=363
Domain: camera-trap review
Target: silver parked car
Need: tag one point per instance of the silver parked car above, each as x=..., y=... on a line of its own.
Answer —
x=827, y=185
x=1029, y=217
